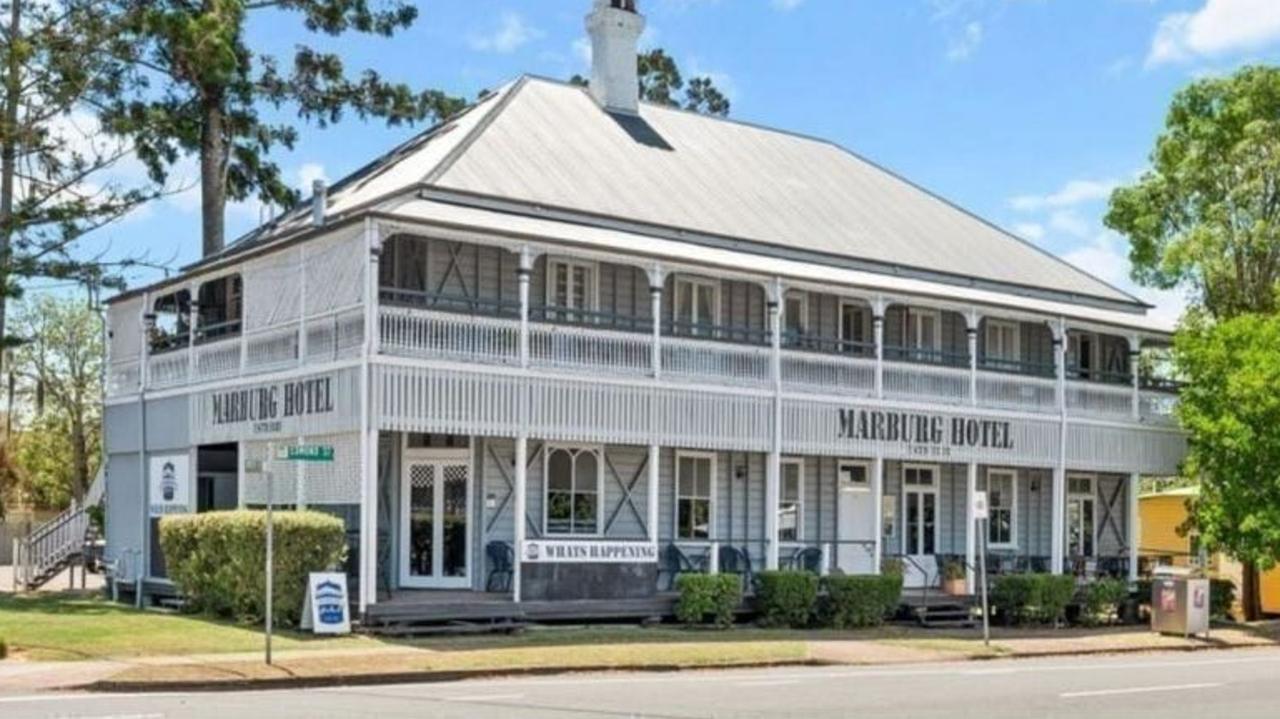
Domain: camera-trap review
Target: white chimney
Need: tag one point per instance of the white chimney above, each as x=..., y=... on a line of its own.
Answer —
x=319, y=202
x=615, y=27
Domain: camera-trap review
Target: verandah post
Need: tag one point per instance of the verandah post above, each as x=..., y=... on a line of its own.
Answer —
x=368, y=429
x=971, y=531
x=522, y=436
x=1134, y=525
x=1058, y=521
x=877, y=324
x=972, y=321
x=773, y=474
x=877, y=510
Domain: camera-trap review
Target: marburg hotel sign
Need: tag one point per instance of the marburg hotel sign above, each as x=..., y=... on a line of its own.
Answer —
x=927, y=434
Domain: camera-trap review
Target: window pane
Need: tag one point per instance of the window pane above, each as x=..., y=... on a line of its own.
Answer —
x=706, y=304
x=584, y=513
x=559, y=512
x=686, y=480
x=560, y=470
x=703, y=487
x=584, y=479
x=790, y=482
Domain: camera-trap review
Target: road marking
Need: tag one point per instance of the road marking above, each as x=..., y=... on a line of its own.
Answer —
x=483, y=698
x=768, y=682
x=34, y=698
x=1138, y=690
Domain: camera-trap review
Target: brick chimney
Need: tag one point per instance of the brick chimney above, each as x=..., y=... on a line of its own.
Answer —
x=614, y=27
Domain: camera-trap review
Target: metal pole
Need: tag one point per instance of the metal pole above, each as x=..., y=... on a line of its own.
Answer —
x=982, y=571
x=270, y=536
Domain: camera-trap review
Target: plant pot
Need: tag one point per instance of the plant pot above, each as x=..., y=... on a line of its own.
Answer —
x=955, y=587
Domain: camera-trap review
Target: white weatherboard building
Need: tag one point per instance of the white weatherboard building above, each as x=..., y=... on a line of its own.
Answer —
x=567, y=343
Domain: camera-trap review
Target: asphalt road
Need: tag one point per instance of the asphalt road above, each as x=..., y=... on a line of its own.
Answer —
x=1239, y=684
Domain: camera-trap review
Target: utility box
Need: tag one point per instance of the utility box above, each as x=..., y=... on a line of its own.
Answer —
x=1179, y=602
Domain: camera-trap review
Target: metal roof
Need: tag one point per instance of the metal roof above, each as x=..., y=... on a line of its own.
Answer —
x=548, y=146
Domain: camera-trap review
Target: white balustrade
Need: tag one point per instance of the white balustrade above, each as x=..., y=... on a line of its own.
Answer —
x=914, y=381
x=609, y=351
x=168, y=368
x=719, y=362
x=272, y=348
x=1158, y=407
x=827, y=373
x=419, y=333
x=1095, y=399
x=123, y=377
x=217, y=360
x=1013, y=391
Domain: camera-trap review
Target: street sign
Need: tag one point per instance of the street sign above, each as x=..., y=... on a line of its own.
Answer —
x=980, y=508
x=305, y=453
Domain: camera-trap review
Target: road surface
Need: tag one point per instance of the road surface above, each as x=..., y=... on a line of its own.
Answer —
x=1239, y=684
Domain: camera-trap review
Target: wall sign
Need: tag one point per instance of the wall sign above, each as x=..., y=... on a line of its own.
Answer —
x=601, y=551
x=926, y=433
x=312, y=404
x=169, y=479
x=325, y=610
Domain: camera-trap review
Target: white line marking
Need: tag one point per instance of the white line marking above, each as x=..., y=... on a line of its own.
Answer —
x=768, y=682
x=1138, y=690
x=483, y=698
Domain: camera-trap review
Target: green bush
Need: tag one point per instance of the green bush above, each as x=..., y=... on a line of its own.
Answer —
x=1020, y=598
x=786, y=599
x=4, y=649
x=1103, y=600
x=891, y=565
x=217, y=560
x=860, y=600
x=708, y=595
x=1222, y=595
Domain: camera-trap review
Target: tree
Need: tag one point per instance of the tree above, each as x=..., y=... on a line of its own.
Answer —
x=1230, y=408
x=59, y=364
x=58, y=61
x=660, y=81
x=1206, y=215
x=208, y=87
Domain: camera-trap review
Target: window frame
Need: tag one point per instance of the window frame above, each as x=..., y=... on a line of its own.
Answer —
x=852, y=345
x=912, y=337
x=933, y=488
x=866, y=466
x=712, y=528
x=698, y=326
x=1092, y=496
x=1015, y=335
x=574, y=451
x=802, y=298
x=1012, y=508
x=591, y=292
x=798, y=463
x=233, y=297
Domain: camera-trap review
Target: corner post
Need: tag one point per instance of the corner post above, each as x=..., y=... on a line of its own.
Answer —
x=1058, y=523
x=773, y=473
x=519, y=511
x=368, y=428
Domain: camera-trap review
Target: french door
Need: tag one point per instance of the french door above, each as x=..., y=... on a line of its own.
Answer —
x=1081, y=516
x=920, y=523
x=435, y=520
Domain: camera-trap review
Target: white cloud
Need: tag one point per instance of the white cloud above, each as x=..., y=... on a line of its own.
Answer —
x=1104, y=256
x=1068, y=222
x=582, y=50
x=963, y=45
x=512, y=33
x=1033, y=231
x=1075, y=192
x=1220, y=27
x=308, y=173
x=786, y=5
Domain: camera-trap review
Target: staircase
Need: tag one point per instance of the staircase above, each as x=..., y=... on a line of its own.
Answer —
x=55, y=545
x=935, y=610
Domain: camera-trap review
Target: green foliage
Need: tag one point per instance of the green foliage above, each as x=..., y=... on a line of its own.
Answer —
x=4, y=649
x=891, y=565
x=217, y=560
x=786, y=598
x=661, y=81
x=1022, y=598
x=1222, y=595
x=860, y=600
x=1206, y=215
x=953, y=569
x=1103, y=599
x=708, y=595
x=1230, y=410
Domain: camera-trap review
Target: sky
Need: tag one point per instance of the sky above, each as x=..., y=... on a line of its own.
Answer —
x=1026, y=112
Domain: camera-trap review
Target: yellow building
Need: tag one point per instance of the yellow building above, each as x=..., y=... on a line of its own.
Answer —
x=1160, y=514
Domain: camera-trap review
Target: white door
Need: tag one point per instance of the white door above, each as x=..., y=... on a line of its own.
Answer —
x=855, y=519
x=435, y=520
x=920, y=524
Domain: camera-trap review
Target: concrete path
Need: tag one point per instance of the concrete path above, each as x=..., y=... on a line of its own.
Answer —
x=1238, y=684
x=57, y=584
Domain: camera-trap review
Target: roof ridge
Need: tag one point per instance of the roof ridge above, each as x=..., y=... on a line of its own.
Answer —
x=458, y=150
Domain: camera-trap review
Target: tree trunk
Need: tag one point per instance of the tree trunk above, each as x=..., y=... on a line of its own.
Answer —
x=1250, y=592
x=8, y=156
x=80, y=457
x=213, y=191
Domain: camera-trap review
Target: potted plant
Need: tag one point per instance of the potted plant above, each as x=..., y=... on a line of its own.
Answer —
x=953, y=578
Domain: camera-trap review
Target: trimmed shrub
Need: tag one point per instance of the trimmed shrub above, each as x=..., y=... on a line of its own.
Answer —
x=708, y=595
x=1102, y=600
x=891, y=565
x=1020, y=598
x=217, y=560
x=786, y=599
x=861, y=600
x=1222, y=597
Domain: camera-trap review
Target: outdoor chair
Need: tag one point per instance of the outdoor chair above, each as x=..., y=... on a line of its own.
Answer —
x=736, y=561
x=501, y=559
x=675, y=563
x=806, y=559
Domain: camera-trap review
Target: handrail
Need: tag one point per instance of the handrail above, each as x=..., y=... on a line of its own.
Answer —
x=921, y=355
x=49, y=544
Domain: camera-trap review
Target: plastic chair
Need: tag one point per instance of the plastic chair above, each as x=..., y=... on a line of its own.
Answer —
x=501, y=559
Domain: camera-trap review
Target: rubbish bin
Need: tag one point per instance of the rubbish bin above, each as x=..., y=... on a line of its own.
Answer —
x=1179, y=602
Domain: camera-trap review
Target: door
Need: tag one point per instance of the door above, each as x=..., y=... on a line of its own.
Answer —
x=855, y=519
x=435, y=520
x=1081, y=514
x=919, y=524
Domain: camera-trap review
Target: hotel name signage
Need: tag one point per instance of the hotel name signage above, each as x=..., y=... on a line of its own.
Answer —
x=265, y=407
x=927, y=434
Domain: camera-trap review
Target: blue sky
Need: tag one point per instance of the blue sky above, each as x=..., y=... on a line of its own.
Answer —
x=1026, y=112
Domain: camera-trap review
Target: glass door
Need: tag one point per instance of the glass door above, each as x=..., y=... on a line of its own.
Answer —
x=435, y=521
x=920, y=524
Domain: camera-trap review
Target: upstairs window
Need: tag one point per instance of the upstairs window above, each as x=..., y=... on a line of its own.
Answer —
x=856, y=336
x=924, y=332
x=697, y=306
x=571, y=290
x=1000, y=343
x=172, y=327
x=220, y=305
x=795, y=314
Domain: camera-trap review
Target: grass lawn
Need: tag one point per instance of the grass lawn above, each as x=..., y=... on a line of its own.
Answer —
x=78, y=626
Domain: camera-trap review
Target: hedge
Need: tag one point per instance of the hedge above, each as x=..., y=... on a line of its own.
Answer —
x=1020, y=598
x=217, y=559
x=1103, y=600
x=708, y=595
x=861, y=600
x=786, y=599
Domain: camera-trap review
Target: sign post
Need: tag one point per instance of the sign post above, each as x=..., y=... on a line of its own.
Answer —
x=286, y=453
x=981, y=516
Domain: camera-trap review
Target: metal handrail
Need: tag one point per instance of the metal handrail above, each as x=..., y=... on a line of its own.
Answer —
x=920, y=355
